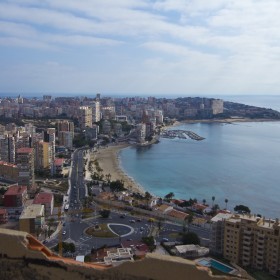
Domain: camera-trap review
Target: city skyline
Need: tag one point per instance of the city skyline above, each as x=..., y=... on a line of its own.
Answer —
x=137, y=47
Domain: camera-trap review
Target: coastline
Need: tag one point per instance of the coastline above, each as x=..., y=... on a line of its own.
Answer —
x=108, y=159
x=228, y=120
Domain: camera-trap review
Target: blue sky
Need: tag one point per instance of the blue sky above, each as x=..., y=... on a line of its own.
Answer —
x=180, y=47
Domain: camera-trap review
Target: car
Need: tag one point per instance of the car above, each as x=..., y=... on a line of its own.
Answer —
x=64, y=232
x=139, y=220
x=129, y=239
x=45, y=242
x=164, y=239
x=122, y=216
x=141, y=228
x=132, y=221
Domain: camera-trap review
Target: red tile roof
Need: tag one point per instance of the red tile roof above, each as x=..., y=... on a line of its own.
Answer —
x=3, y=211
x=25, y=150
x=177, y=214
x=59, y=161
x=14, y=190
x=42, y=198
x=7, y=163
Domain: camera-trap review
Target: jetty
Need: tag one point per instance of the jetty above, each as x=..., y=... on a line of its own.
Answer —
x=182, y=134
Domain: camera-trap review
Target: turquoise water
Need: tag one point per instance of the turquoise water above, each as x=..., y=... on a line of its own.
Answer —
x=215, y=264
x=240, y=162
x=220, y=266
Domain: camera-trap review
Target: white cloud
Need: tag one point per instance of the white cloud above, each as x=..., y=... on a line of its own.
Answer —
x=163, y=45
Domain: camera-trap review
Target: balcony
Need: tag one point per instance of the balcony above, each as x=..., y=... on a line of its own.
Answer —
x=247, y=232
x=247, y=242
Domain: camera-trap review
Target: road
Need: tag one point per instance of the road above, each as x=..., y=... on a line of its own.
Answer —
x=128, y=227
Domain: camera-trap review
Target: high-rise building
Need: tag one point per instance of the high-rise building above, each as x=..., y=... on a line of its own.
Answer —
x=43, y=155
x=8, y=171
x=217, y=106
x=65, y=133
x=65, y=138
x=25, y=164
x=65, y=126
x=7, y=148
x=253, y=242
x=85, y=116
x=95, y=105
x=49, y=137
x=217, y=233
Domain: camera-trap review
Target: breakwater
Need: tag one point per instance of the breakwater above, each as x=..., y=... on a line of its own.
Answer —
x=182, y=134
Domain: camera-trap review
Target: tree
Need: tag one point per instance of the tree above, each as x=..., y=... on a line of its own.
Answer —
x=159, y=225
x=190, y=238
x=189, y=220
x=226, y=202
x=169, y=196
x=104, y=213
x=242, y=209
x=148, y=195
x=117, y=185
x=213, y=199
x=108, y=177
x=67, y=247
x=204, y=201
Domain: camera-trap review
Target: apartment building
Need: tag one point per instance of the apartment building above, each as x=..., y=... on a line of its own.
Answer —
x=3, y=216
x=15, y=196
x=47, y=200
x=25, y=164
x=7, y=148
x=49, y=137
x=32, y=219
x=8, y=171
x=254, y=242
x=95, y=105
x=85, y=116
x=65, y=126
x=42, y=155
x=217, y=233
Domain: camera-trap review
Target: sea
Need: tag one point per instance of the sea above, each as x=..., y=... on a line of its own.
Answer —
x=236, y=161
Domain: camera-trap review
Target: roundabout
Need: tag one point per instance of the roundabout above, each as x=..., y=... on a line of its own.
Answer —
x=110, y=230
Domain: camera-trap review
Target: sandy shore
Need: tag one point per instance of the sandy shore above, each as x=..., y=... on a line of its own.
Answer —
x=108, y=160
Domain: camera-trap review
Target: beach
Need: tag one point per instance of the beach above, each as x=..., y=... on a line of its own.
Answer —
x=108, y=160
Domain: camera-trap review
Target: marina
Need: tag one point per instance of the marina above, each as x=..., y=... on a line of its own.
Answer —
x=182, y=134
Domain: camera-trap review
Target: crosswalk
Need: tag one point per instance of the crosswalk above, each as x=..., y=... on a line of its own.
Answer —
x=83, y=239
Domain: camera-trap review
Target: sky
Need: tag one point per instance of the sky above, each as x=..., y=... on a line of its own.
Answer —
x=174, y=47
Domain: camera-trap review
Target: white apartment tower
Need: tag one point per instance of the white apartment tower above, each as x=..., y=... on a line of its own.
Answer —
x=85, y=116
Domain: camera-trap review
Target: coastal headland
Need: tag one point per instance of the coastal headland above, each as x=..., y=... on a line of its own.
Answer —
x=108, y=157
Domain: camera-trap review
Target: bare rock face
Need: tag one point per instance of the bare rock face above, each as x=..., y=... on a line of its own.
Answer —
x=22, y=257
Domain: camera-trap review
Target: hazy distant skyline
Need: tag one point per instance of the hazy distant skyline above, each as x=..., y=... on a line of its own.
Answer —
x=134, y=47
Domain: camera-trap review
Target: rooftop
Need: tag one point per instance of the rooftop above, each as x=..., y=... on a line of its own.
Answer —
x=177, y=214
x=7, y=164
x=221, y=217
x=25, y=150
x=42, y=198
x=15, y=189
x=59, y=161
x=32, y=211
x=3, y=211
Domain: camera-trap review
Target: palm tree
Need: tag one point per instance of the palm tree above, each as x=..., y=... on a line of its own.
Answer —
x=213, y=199
x=204, y=201
x=226, y=202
